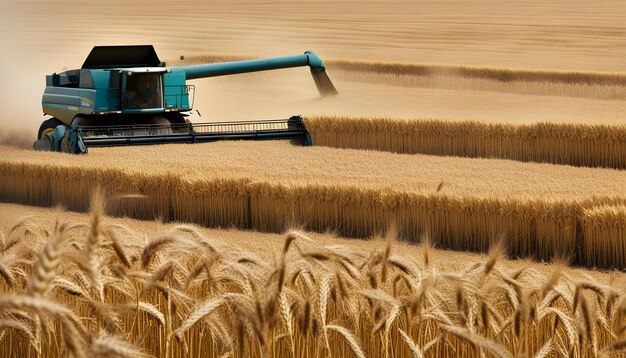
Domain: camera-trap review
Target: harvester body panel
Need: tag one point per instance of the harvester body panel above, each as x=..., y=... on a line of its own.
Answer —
x=111, y=91
x=176, y=91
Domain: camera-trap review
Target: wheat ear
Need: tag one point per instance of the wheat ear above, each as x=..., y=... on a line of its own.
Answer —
x=349, y=337
x=203, y=310
x=415, y=349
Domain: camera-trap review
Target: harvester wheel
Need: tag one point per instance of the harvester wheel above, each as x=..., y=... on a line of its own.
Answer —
x=47, y=127
x=65, y=143
x=43, y=145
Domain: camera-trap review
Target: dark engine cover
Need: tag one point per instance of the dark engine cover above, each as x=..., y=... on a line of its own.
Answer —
x=121, y=57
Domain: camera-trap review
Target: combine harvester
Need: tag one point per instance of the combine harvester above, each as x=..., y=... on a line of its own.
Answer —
x=123, y=95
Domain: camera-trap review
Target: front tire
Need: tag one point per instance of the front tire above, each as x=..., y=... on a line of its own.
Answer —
x=44, y=145
x=47, y=127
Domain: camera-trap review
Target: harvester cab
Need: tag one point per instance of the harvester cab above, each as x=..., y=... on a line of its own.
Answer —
x=125, y=95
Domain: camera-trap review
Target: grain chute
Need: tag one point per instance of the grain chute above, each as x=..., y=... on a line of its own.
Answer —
x=124, y=95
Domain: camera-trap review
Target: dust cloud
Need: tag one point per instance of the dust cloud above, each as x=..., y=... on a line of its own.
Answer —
x=17, y=138
x=20, y=100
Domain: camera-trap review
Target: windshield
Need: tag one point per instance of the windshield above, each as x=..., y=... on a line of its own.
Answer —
x=143, y=91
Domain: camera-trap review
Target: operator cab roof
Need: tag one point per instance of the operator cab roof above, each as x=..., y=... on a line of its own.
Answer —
x=107, y=57
x=142, y=70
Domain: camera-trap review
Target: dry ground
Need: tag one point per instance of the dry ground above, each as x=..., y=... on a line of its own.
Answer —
x=572, y=34
x=281, y=94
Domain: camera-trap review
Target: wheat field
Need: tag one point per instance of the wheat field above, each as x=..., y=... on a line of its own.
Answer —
x=94, y=286
x=493, y=128
x=539, y=208
x=589, y=145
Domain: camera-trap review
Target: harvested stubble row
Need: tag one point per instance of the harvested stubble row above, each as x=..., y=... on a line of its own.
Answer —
x=488, y=73
x=269, y=186
x=571, y=144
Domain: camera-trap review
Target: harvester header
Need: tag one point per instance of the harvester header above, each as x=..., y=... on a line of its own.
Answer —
x=124, y=95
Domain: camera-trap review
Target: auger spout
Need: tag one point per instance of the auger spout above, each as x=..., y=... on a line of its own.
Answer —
x=309, y=58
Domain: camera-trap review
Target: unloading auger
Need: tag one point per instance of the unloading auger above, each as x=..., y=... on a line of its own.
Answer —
x=124, y=95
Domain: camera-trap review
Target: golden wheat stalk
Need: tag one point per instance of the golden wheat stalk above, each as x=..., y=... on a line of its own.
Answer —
x=482, y=308
x=592, y=145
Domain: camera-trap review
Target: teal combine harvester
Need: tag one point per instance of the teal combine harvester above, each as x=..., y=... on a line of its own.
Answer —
x=123, y=95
